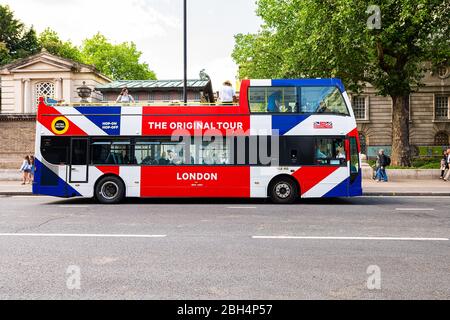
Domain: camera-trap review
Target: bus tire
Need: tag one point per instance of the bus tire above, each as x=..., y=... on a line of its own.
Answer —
x=110, y=190
x=283, y=190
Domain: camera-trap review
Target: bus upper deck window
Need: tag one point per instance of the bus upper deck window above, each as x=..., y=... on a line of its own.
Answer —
x=322, y=100
x=273, y=99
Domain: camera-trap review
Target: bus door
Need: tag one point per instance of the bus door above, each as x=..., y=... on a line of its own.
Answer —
x=79, y=155
x=355, y=188
x=354, y=159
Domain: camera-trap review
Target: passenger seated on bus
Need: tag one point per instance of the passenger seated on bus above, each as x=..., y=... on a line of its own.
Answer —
x=163, y=160
x=111, y=159
x=274, y=102
x=340, y=154
x=125, y=158
x=320, y=154
x=148, y=160
x=173, y=158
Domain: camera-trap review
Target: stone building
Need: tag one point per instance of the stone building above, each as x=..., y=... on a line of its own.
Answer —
x=159, y=90
x=429, y=116
x=22, y=83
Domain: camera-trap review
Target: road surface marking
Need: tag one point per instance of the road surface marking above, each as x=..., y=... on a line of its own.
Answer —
x=241, y=207
x=29, y=196
x=352, y=238
x=414, y=209
x=81, y=235
x=73, y=206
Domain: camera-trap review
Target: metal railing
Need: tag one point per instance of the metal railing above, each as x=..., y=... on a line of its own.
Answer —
x=141, y=104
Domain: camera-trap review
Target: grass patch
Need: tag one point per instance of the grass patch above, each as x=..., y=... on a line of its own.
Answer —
x=428, y=163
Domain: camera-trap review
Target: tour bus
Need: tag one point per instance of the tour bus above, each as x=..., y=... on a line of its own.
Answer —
x=284, y=140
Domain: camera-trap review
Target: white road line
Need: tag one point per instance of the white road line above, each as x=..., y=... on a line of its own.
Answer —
x=73, y=206
x=352, y=238
x=241, y=207
x=414, y=209
x=29, y=196
x=81, y=235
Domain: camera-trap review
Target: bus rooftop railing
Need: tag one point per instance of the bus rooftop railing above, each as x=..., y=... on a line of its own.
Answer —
x=140, y=104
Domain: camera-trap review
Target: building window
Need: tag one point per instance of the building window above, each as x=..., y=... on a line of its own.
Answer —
x=360, y=107
x=441, y=108
x=441, y=139
x=44, y=89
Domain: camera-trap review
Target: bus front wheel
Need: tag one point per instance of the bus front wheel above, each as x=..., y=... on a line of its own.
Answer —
x=110, y=190
x=283, y=190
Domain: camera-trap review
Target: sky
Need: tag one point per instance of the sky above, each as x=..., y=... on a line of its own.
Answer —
x=156, y=26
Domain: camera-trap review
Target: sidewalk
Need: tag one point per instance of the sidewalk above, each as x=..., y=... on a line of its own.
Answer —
x=13, y=188
x=370, y=188
x=436, y=187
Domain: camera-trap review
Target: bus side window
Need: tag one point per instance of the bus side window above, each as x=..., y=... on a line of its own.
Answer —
x=112, y=152
x=55, y=150
x=330, y=151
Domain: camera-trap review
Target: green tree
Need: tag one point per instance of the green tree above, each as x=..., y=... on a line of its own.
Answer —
x=118, y=61
x=336, y=38
x=16, y=41
x=50, y=40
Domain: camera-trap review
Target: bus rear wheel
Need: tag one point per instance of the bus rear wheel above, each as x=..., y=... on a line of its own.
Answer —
x=283, y=191
x=110, y=190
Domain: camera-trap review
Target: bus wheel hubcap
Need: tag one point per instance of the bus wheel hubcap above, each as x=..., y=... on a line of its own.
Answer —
x=109, y=190
x=283, y=190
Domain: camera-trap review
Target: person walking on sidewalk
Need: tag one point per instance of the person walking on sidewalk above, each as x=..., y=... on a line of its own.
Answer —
x=382, y=162
x=32, y=169
x=26, y=170
x=444, y=164
x=447, y=176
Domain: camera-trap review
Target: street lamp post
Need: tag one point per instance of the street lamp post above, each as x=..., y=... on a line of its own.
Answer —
x=185, y=53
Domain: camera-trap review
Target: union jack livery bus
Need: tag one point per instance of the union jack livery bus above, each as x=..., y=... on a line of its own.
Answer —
x=285, y=139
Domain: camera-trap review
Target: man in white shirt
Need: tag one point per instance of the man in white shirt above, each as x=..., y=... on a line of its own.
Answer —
x=227, y=94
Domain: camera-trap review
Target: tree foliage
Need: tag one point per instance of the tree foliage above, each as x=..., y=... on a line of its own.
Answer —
x=117, y=61
x=16, y=41
x=50, y=40
x=331, y=38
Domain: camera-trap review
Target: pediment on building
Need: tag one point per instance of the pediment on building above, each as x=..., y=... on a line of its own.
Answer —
x=46, y=62
x=42, y=65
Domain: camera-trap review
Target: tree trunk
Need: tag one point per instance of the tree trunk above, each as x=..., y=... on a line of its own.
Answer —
x=401, y=150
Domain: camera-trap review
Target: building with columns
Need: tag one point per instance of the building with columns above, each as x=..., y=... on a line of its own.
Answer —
x=22, y=82
x=44, y=74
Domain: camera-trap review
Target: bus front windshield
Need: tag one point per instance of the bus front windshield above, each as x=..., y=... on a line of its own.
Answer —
x=322, y=100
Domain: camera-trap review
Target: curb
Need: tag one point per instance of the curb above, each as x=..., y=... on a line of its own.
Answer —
x=9, y=194
x=406, y=194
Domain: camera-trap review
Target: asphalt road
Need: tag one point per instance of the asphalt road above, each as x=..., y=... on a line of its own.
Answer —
x=225, y=249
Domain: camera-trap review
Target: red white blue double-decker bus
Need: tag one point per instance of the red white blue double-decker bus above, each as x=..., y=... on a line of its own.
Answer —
x=284, y=140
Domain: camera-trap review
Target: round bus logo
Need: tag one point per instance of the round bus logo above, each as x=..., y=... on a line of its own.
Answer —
x=60, y=125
